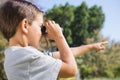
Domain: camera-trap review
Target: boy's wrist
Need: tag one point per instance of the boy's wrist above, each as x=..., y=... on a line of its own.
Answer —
x=59, y=37
x=91, y=47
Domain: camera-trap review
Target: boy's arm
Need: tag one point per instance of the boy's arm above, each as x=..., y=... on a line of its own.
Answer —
x=80, y=50
x=69, y=66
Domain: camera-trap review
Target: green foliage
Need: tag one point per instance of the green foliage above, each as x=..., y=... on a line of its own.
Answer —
x=96, y=19
x=101, y=64
x=80, y=24
x=3, y=44
x=87, y=23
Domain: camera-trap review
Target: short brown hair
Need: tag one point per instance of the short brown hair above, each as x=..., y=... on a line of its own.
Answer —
x=13, y=12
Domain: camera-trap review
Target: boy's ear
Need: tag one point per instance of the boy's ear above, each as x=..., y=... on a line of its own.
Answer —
x=25, y=26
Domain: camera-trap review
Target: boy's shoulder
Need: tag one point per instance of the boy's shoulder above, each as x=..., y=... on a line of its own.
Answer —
x=22, y=50
x=22, y=53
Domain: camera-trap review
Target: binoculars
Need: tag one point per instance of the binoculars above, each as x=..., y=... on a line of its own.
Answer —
x=43, y=30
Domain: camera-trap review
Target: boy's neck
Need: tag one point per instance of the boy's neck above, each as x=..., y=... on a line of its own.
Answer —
x=17, y=42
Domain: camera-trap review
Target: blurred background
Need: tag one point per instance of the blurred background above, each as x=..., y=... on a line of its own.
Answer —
x=84, y=22
x=110, y=9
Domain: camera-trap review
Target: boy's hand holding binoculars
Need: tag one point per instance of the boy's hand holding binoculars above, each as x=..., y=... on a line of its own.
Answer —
x=53, y=30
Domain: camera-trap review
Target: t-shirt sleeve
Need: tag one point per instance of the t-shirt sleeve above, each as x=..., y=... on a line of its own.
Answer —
x=44, y=67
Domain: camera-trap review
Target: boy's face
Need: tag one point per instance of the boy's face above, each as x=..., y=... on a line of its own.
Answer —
x=35, y=34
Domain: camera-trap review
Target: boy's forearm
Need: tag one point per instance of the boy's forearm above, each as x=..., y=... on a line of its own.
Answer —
x=80, y=50
x=65, y=52
x=77, y=51
x=68, y=60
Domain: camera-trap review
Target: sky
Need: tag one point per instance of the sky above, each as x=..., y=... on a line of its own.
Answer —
x=111, y=9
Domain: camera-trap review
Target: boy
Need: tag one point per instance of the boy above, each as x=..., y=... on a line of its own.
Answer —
x=20, y=24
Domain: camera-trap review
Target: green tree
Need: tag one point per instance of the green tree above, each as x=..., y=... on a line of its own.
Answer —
x=80, y=24
x=87, y=23
x=96, y=19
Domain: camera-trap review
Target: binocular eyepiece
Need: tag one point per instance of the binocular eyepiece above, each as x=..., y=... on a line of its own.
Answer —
x=43, y=30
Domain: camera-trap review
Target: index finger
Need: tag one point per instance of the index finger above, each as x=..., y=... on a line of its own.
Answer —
x=105, y=42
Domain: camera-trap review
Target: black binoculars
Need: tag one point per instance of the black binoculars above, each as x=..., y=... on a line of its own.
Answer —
x=43, y=30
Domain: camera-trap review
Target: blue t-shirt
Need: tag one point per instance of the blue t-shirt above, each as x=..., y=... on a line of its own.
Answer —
x=27, y=63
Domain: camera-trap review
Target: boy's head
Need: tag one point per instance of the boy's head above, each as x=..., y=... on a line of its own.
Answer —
x=13, y=12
